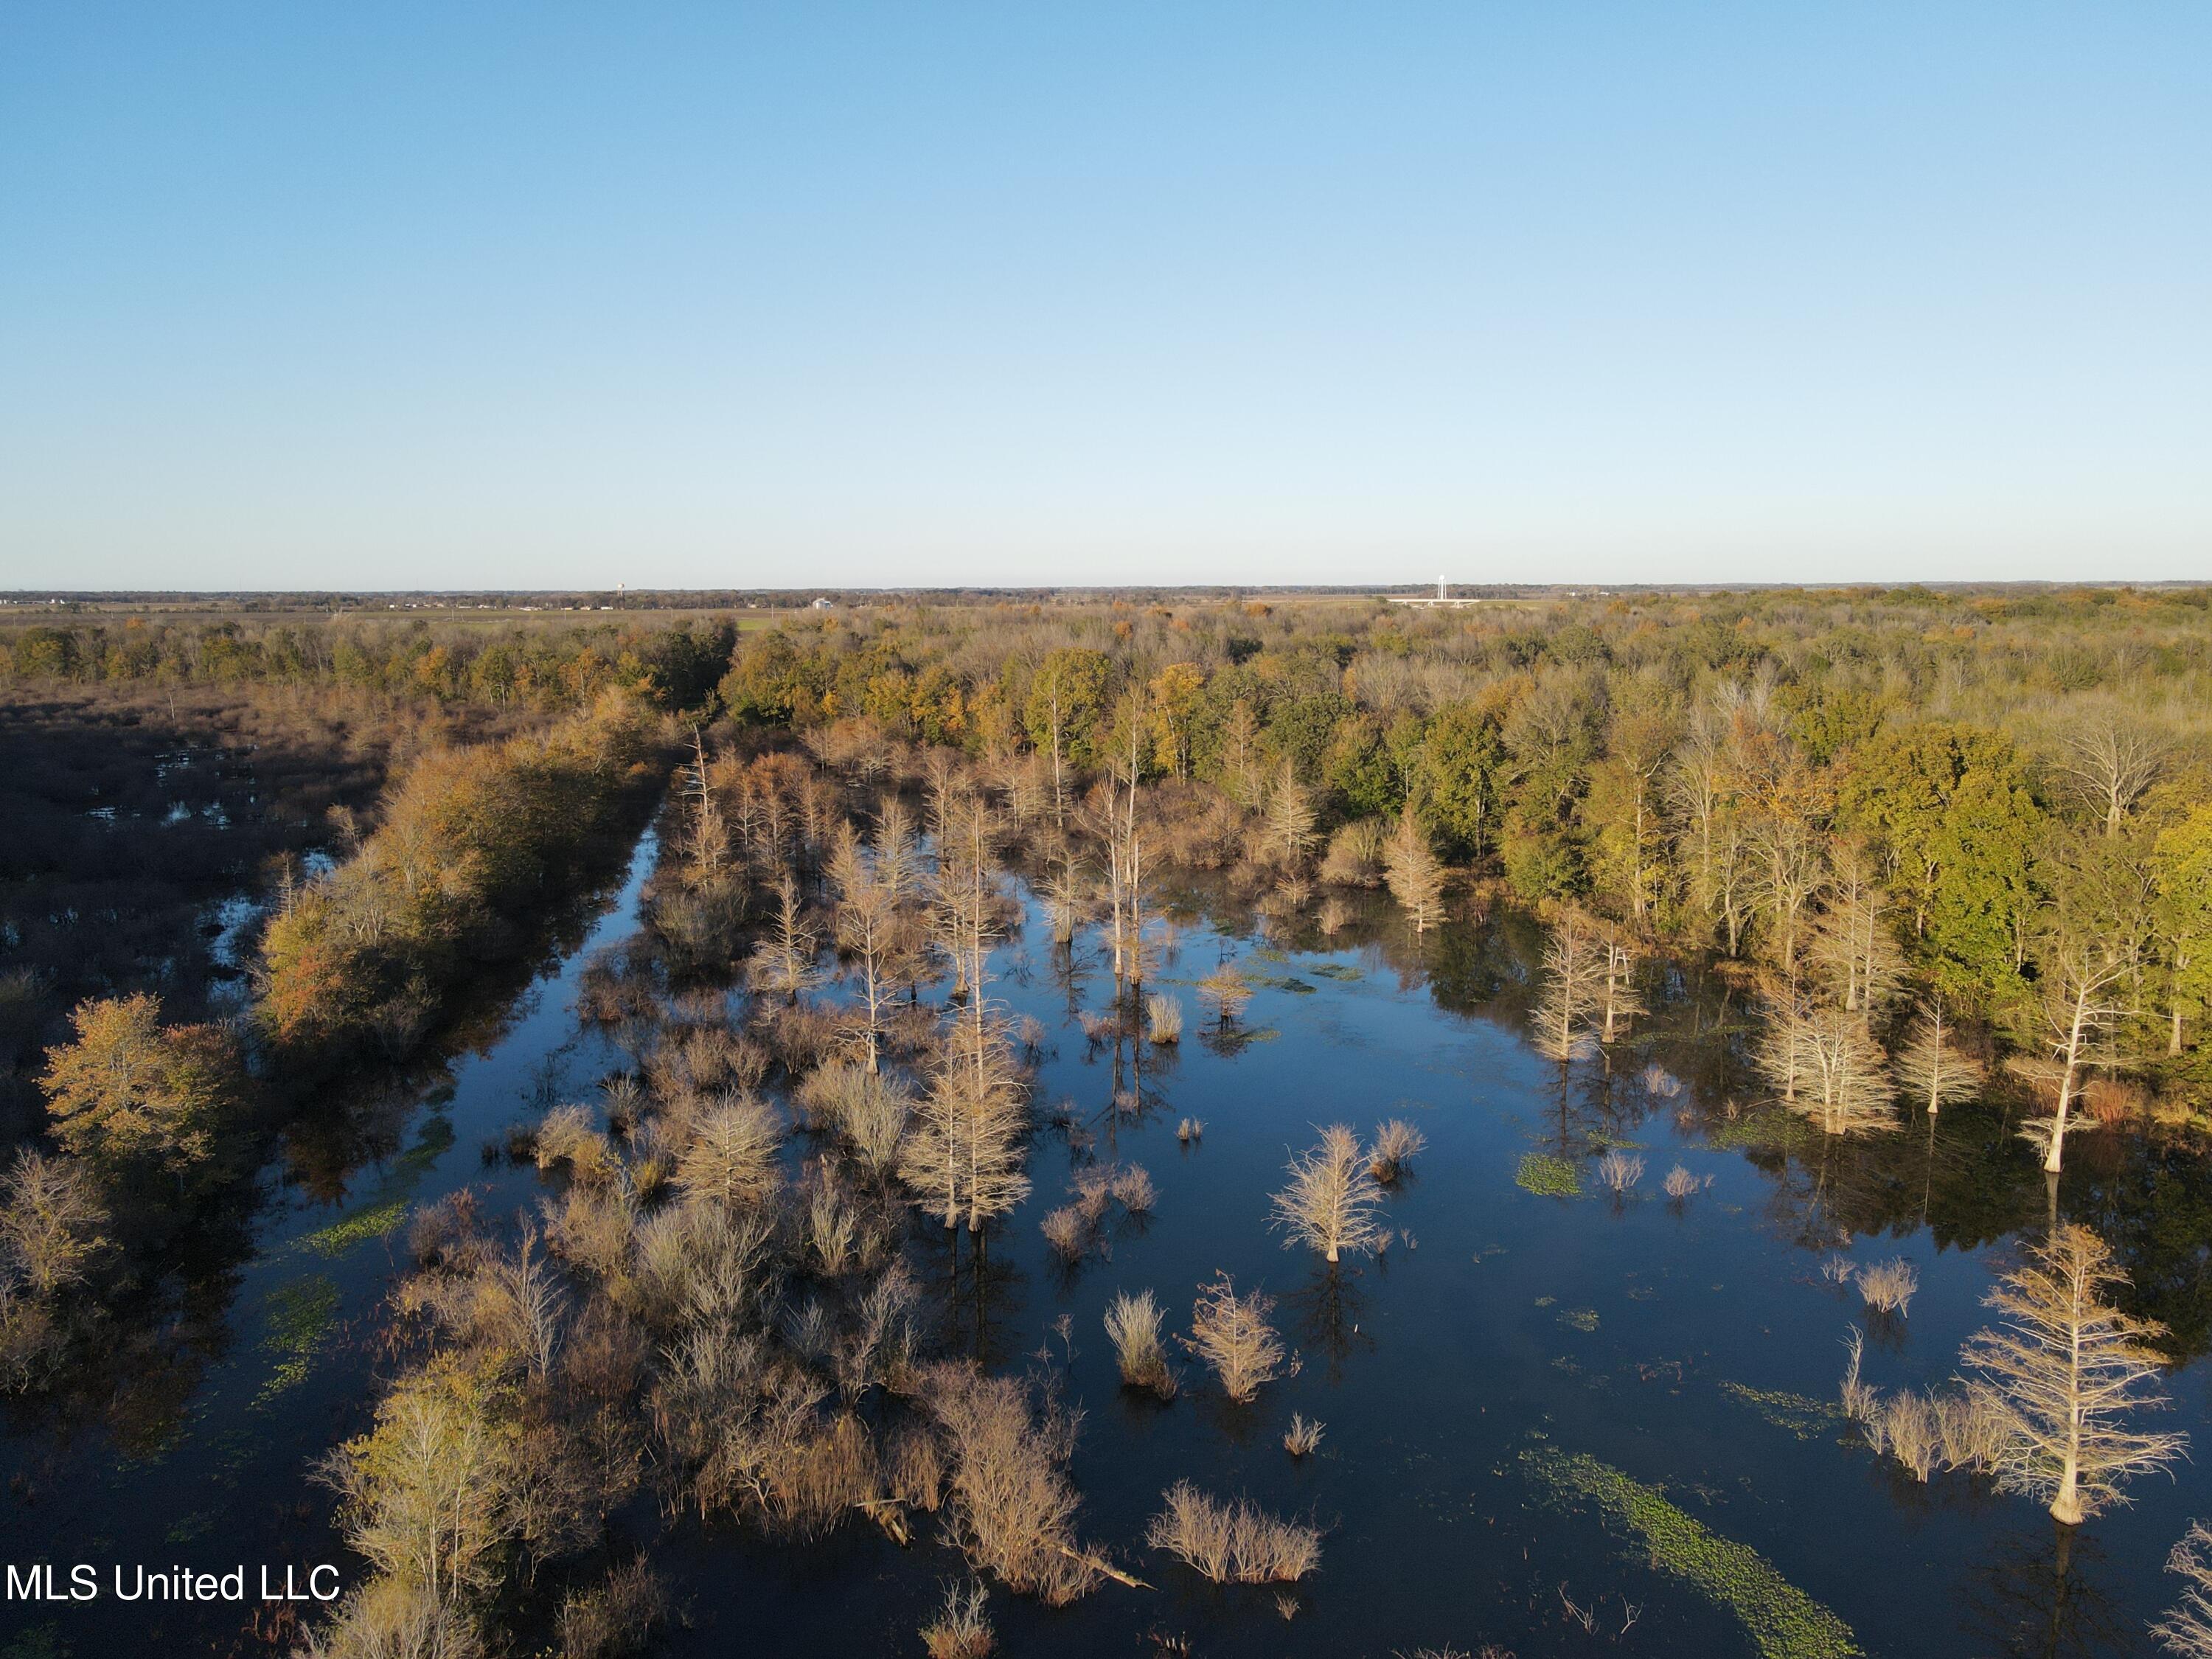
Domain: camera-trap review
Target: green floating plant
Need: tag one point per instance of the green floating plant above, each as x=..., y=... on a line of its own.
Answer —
x=1781, y=1619
x=1548, y=1176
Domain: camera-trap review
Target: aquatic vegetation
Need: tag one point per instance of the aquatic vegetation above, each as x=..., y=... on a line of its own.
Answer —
x=1162, y=1019
x=1781, y=1619
x=300, y=1316
x=1799, y=1415
x=1580, y=1319
x=1548, y=1176
x=378, y=1220
x=1303, y=1437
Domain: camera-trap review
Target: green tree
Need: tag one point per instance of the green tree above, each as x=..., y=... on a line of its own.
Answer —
x=2181, y=866
x=1458, y=780
x=1983, y=909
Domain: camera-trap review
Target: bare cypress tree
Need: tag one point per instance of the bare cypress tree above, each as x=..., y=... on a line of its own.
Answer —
x=784, y=962
x=2080, y=1004
x=867, y=922
x=2070, y=1371
x=1574, y=971
x=1333, y=1202
x=1851, y=946
x=1290, y=816
x=1827, y=1069
x=2187, y=1628
x=1414, y=872
x=1931, y=1068
x=1619, y=1001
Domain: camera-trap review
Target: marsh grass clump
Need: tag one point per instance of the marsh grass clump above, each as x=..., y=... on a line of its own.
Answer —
x=1887, y=1288
x=1397, y=1144
x=1067, y=1231
x=1681, y=1184
x=1619, y=1171
x=961, y=1629
x=1132, y=1189
x=1190, y=1131
x=1302, y=1437
x=1132, y=1325
x=1839, y=1270
x=1230, y=1334
x=1233, y=1543
x=1660, y=1083
x=1162, y=1019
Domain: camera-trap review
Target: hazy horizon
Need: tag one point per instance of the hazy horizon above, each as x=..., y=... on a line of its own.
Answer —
x=539, y=298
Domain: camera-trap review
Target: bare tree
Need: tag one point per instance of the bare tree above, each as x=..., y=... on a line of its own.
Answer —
x=1333, y=1203
x=1290, y=816
x=1414, y=872
x=1619, y=1000
x=1231, y=1334
x=1931, y=1068
x=1574, y=971
x=2079, y=1005
x=2112, y=762
x=1851, y=945
x=1827, y=1069
x=784, y=962
x=2071, y=1371
x=867, y=925
x=2187, y=1628
x=1791, y=873
x=710, y=837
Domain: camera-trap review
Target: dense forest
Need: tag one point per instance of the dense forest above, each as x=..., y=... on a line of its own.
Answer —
x=1921, y=849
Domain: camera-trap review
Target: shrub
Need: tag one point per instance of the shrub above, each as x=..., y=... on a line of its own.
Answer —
x=1303, y=1437
x=614, y=1617
x=1680, y=1183
x=1619, y=1171
x=1355, y=854
x=1162, y=1017
x=1190, y=1129
x=960, y=1631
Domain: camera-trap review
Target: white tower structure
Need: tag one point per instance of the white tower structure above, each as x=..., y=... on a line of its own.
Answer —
x=1441, y=595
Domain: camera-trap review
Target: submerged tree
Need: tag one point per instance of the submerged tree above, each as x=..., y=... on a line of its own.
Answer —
x=1619, y=1001
x=1291, y=817
x=1574, y=971
x=2070, y=1371
x=1827, y=1068
x=1415, y=874
x=1333, y=1203
x=1931, y=1068
x=2187, y=1628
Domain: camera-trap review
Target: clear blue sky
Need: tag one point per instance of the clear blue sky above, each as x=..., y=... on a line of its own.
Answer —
x=454, y=295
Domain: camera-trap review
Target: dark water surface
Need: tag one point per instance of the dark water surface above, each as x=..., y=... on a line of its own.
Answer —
x=1693, y=1348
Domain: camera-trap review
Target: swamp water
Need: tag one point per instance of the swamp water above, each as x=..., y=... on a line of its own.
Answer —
x=1550, y=1415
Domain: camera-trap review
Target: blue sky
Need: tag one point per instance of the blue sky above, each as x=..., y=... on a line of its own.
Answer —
x=442, y=295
